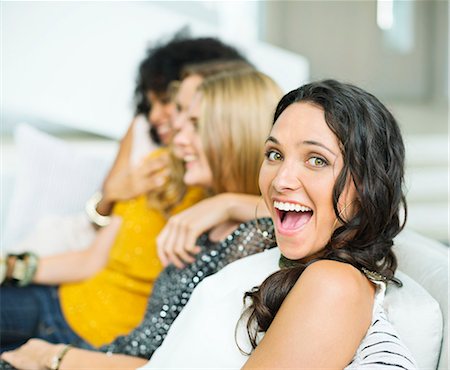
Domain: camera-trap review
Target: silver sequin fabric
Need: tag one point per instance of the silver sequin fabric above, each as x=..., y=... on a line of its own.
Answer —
x=174, y=287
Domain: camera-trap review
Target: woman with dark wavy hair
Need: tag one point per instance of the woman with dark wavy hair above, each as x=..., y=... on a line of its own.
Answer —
x=332, y=181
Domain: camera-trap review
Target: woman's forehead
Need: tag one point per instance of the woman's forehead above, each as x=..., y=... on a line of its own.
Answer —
x=304, y=121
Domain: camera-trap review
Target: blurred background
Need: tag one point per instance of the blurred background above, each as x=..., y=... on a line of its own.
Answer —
x=68, y=68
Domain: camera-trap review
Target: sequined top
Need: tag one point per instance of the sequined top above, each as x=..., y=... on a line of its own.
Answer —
x=94, y=308
x=174, y=287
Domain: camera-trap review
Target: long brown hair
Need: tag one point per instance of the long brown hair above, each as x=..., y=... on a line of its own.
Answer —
x=374, y=157
x=173, y=191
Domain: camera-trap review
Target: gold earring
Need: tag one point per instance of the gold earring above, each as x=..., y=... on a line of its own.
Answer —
x=341, y=213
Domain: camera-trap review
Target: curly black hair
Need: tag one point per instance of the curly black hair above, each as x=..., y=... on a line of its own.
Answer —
x=374, y=157
x=164, y=63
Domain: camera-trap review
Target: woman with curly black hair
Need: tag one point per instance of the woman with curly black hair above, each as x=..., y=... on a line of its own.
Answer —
x=332, y=181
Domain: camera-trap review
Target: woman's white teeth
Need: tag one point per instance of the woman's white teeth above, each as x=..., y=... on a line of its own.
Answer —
x=285, y=206
x=163, y=129
x=190, y=158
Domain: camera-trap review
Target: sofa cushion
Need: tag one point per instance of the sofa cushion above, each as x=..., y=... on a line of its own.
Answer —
x=427, y=262
x=53, y=178
x=417, y=318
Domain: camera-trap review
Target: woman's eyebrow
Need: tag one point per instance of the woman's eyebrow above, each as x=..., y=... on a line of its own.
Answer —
x=313, y=142
x=272, y=139
x=304, y=142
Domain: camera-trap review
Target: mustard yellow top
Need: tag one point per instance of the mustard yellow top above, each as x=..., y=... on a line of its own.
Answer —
x=113, y=301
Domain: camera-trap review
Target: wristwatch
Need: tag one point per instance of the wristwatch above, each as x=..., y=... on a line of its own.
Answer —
x=55, y=361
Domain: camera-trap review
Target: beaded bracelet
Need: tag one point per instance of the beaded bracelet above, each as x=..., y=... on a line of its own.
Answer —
x=31, y=260
x=23, y=270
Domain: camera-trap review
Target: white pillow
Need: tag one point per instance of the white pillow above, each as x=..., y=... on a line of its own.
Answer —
x=53, y=178
x=417, y=318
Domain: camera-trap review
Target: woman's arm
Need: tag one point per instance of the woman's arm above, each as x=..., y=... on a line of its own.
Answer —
x=37, y=354
x=78, y=265
x=113, y=179
x=176, y=242
x=84, y=359
x=125, y=181
x=321, y=322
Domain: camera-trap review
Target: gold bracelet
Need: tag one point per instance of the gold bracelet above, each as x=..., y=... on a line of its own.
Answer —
x=91, y=210
x=56, y=360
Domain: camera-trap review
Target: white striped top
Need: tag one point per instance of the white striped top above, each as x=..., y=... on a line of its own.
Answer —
x=381, y=348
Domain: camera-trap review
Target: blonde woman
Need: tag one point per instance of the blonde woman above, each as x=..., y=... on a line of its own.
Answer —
x=176, y=243
x=219, y=140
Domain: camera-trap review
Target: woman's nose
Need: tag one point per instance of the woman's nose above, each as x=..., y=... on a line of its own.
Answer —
x=183, y=133
x=179, y=119
x=287, y=178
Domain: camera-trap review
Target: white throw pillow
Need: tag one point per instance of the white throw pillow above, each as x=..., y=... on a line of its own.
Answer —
x=53, y=178
x=417, y=318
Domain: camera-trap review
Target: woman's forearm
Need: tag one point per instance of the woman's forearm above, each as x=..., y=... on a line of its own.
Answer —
x=105, y=205
x=65, y=268
x=84, y=359
x=78, y=265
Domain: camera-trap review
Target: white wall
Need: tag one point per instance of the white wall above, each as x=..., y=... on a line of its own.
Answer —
x=74, y=63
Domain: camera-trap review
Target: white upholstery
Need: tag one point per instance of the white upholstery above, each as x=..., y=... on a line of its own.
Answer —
x=417, y=318
x=427, y=261
x=52, y=178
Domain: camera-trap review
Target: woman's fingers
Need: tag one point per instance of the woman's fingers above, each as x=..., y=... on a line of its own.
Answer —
x=33, y=355
x=181, y=249
x=176, y=242
x=162, y=241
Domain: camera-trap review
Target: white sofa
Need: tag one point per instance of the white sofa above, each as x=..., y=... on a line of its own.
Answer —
x=427, y=262
x=43, y=175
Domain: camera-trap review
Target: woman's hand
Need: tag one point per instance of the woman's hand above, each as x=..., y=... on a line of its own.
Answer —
x=176, y=242
x=36, y=354
x=131, y=182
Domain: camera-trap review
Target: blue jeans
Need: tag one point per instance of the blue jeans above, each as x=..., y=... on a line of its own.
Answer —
x=33, y=312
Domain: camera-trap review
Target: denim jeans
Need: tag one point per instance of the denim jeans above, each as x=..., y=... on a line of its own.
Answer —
x=33, y=312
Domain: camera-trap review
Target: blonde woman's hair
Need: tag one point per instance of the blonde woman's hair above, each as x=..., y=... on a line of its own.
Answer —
x=171, y=194
x=209, y=69
x=236, y=117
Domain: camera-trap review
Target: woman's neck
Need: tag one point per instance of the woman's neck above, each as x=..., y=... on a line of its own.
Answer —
x=221, y=231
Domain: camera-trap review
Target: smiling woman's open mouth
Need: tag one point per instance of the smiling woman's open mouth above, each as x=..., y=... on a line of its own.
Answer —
x=292, y=216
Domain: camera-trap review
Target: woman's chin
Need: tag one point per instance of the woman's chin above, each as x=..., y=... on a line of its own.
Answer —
x=188, y=180
x=291, y=249
x=196, y=178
